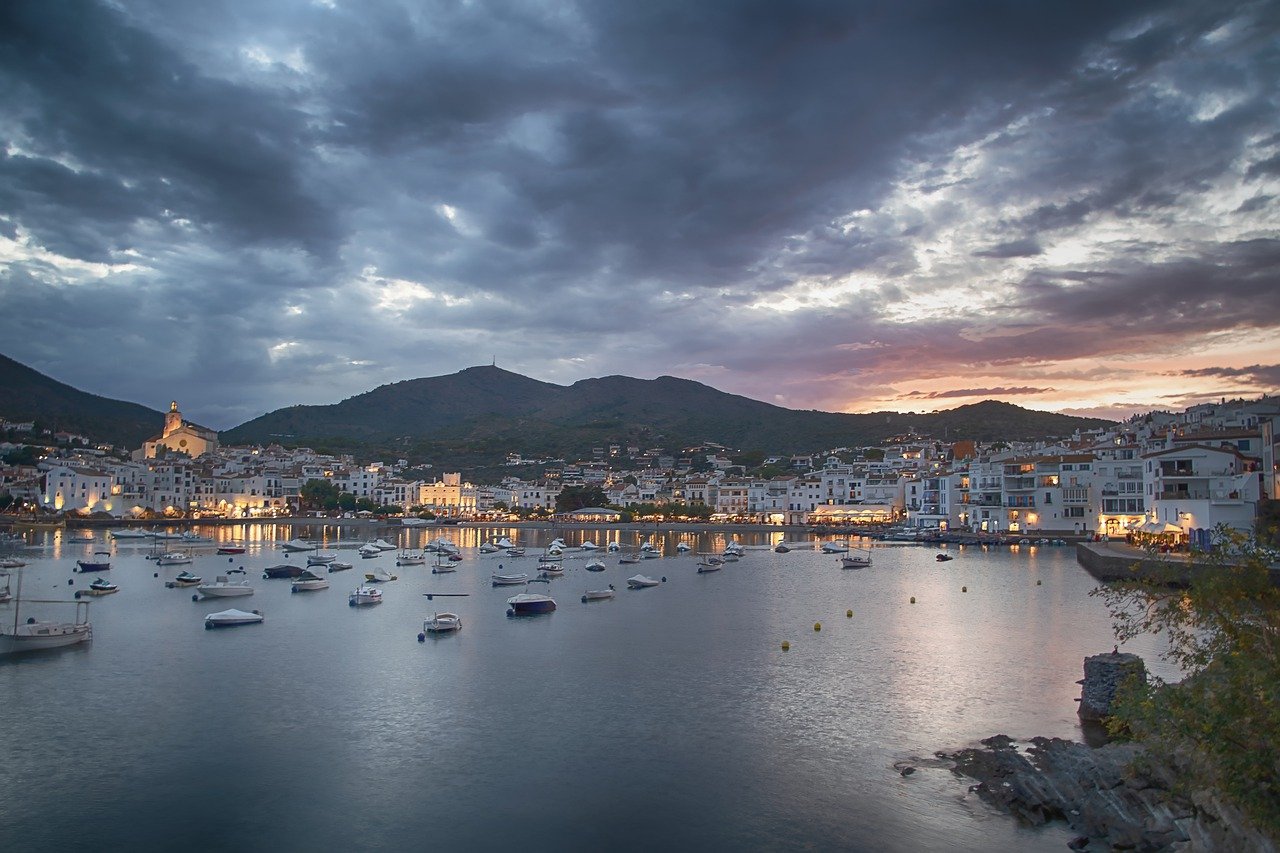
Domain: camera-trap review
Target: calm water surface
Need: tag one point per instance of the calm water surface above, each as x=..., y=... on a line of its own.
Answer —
x=667, y=718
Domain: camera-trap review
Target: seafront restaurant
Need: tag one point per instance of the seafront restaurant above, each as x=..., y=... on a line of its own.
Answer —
x=591, y=515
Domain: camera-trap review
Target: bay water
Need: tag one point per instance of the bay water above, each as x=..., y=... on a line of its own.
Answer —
x=665, y=718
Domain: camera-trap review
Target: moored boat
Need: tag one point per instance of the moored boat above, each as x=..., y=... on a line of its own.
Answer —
x=173, y=558
x=509, y=579
x=296, y=545
x=528, y=603
x=230, y=549
x=184, y=578
x=379, y=576
x=100, y=586
x=835, y=546
x=308, y=581
x=321, y=558
x=95, y=565
x=284, y=570
x=598, y=594
x=339, y=566
x=641, y=582
x=410, y=559
x=442, y=623
x=224, y=588
x=35, y=634
x=858, y=558
x=364, y=595
x=596, y=565
x=228, y=618
x=710, y=564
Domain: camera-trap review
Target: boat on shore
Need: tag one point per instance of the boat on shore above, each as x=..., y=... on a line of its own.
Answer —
x=229, y=618
x=530, y=603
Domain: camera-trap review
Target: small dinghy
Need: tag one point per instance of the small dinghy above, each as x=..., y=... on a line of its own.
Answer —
x=442, y=623
x=509, y=580
x=228, y=618
x=598, y=594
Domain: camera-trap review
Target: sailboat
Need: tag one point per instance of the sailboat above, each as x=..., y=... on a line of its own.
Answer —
x=33, y=634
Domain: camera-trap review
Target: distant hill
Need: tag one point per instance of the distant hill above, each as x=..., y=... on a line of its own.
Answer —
x=28, y=395
x=481, y=413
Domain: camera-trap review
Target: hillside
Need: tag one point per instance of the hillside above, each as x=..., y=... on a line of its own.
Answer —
x=479, y=414
x=28, y=395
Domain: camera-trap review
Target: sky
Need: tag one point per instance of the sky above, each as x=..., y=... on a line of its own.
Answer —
x=910, y=206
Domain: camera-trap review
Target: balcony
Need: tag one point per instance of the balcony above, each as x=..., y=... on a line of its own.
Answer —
x=1190, y=495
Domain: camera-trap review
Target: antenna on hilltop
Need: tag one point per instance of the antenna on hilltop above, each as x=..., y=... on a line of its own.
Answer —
x=494, y=362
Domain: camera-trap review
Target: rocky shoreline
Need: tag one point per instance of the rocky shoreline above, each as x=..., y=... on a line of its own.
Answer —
x=1115, y=797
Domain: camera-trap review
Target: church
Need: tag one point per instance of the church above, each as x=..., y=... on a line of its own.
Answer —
x=180, y=436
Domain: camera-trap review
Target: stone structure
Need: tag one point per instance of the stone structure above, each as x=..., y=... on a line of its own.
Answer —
x=179, y=436
x=1103, y=674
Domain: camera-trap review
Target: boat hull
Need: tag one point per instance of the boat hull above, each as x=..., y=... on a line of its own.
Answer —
x=30, y=640
x=224, y=591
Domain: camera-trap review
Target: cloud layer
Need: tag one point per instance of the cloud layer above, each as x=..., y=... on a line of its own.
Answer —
x=823, y=205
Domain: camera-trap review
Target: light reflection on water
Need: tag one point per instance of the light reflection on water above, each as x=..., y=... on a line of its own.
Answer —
x=664, y=718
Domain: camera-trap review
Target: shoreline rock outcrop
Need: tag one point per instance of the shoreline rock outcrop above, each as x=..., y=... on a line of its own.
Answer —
x=1115, y=796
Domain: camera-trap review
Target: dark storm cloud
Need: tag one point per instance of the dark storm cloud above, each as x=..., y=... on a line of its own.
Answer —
x=293, y=202
x=1001, y=391
x=1265, y=375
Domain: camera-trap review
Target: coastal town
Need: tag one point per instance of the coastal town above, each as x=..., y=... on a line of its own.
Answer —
x=1177, y=476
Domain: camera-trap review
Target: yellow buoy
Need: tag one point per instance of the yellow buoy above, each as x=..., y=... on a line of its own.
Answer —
x=786, y=646
x=817, y=626
x=848, y=614
x=913, y=599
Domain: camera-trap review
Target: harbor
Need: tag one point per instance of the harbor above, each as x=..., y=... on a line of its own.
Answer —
x=345, y=706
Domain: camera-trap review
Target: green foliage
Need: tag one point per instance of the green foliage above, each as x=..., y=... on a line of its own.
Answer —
x=580, y=497
x=24, y=455
x=1223, y=633
x=318, y=494
x=873, y=454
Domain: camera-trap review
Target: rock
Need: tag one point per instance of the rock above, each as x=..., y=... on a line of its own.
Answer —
x=1103, y=675
x=1080, y=842
x=907, y=771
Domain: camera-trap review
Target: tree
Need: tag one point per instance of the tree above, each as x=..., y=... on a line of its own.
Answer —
x=1223, y=633
x=318, y=494
x=578, y=497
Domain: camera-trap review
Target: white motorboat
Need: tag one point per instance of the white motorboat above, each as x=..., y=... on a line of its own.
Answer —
x=228, y=618
x=184, y=578
x=382, y=545
x=835, y=546
x=442, y=565
x=627, y=559
x=294, y=545
x=379, y=576
x=442, y=623
x=504, y=542
x=368, y=551
x=527, y=603
x=338, y=566
x=11, y=563
x=551, y=557
x=710, y=564
x=364, y=595
x=321, y=558
x=682, y=547
x=729, y=557
x=598, y=594
x=515, y=552
x=733, y=548
x=641, y=582
x=588, y=546
x=552, y=570
x=173, y=558
x=308, y=581
x=411, y=559
x=596, y=565
x=614, y=547
x=489, y=548
x=224, y=588
x=414, y=521
x=130, y=534
x=509, y=580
